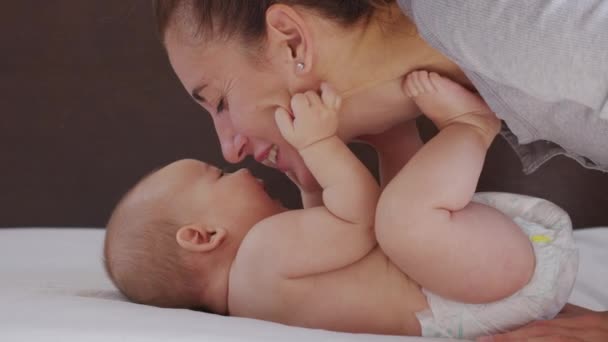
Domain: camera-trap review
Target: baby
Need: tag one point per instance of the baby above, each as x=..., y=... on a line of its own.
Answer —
x=189, y=236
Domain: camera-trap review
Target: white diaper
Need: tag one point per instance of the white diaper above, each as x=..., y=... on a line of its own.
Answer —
x=550, y=232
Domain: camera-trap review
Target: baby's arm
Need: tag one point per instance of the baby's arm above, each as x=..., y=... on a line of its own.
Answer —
x=350, y=192
x=426, y=222
x=309, y=199
x=335, y=235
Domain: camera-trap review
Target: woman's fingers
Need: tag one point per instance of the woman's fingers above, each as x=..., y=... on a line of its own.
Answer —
x=585, y=325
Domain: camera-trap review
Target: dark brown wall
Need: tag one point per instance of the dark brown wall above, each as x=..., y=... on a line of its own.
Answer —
x=88, y=104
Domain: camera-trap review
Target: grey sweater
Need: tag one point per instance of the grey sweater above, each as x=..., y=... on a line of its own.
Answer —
x=541, y=65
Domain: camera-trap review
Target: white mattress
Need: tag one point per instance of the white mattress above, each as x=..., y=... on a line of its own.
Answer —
x=53, y=288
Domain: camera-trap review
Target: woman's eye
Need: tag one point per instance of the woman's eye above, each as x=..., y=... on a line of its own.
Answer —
x=220, y=106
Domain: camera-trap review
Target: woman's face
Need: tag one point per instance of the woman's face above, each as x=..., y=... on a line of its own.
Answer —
x=241, y=99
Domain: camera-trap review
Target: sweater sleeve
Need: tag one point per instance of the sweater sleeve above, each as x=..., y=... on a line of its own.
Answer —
x=551, y=49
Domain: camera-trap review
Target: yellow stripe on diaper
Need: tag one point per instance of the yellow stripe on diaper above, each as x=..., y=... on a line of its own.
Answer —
x=540, y=238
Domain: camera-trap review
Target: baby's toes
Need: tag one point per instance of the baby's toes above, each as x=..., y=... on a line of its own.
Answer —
x=412, y=87
x=420, y=82
x=425, y=81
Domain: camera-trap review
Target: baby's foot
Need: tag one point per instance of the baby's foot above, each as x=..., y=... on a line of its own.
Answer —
x=446, y=102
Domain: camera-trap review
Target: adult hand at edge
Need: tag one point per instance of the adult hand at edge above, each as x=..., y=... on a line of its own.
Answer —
x=574, y=323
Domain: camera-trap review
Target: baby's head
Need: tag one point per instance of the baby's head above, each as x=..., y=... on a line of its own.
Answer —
x=171, y=240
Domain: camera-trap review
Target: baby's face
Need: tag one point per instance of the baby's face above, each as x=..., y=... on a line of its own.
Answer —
x=199, y=192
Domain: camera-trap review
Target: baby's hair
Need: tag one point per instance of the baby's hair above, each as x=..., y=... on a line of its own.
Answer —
x=143, y=259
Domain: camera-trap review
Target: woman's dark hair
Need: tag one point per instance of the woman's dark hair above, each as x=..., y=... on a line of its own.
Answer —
x=246, y=19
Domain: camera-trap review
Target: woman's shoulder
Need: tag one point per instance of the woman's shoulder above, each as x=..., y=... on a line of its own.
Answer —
x=499, y=13
x=555, y=24
x=528, y=45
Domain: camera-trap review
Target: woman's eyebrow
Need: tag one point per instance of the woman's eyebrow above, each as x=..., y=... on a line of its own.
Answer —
x=196, y=93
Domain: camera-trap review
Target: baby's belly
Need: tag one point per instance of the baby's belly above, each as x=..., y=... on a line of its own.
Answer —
x=371, y=296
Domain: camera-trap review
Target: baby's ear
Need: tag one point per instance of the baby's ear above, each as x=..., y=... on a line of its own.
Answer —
x=200, y=238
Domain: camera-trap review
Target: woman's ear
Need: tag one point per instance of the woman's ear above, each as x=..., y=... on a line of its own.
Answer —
x=288, y=34
x=200, y=238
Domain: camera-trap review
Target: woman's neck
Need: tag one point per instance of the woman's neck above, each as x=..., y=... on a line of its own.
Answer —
x=367, y=64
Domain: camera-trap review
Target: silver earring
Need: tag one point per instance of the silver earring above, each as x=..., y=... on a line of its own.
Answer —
x=300, y=66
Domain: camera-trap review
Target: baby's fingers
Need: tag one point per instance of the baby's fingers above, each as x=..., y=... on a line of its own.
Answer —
x=313, y=99
x=285, y=123
x=300, y=104
x=330, y=98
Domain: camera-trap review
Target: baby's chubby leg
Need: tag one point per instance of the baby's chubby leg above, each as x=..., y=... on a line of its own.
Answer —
x=425, y=220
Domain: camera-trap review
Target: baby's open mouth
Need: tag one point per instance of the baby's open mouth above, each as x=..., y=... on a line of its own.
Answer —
x=262, y=183
x=271, y=159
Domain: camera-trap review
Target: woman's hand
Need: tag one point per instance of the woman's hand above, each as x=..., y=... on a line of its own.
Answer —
x=572, y=324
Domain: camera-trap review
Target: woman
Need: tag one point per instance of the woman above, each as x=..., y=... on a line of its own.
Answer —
x=244, y=60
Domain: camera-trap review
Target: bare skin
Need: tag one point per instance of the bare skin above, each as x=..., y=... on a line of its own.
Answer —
x=574, y=324
x=242, y=96
x=375, y=106
x=323, y=268
x=326, y=266
x=339, y=300
x=425, y=217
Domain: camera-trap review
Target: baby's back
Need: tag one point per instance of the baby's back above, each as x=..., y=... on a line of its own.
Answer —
x=371, y=295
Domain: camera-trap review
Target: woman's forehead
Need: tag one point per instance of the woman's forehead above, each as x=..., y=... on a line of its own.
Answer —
x=207, y=57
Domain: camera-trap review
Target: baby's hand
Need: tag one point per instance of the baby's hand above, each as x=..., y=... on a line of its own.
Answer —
x=316, y=118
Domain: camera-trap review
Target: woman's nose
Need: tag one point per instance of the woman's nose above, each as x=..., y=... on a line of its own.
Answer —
x=234, y=149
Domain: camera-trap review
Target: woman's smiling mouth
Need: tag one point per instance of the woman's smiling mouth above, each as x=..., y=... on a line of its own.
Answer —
x=271, y=158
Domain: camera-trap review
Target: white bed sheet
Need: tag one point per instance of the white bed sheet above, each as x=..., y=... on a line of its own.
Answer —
x=53, y=288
